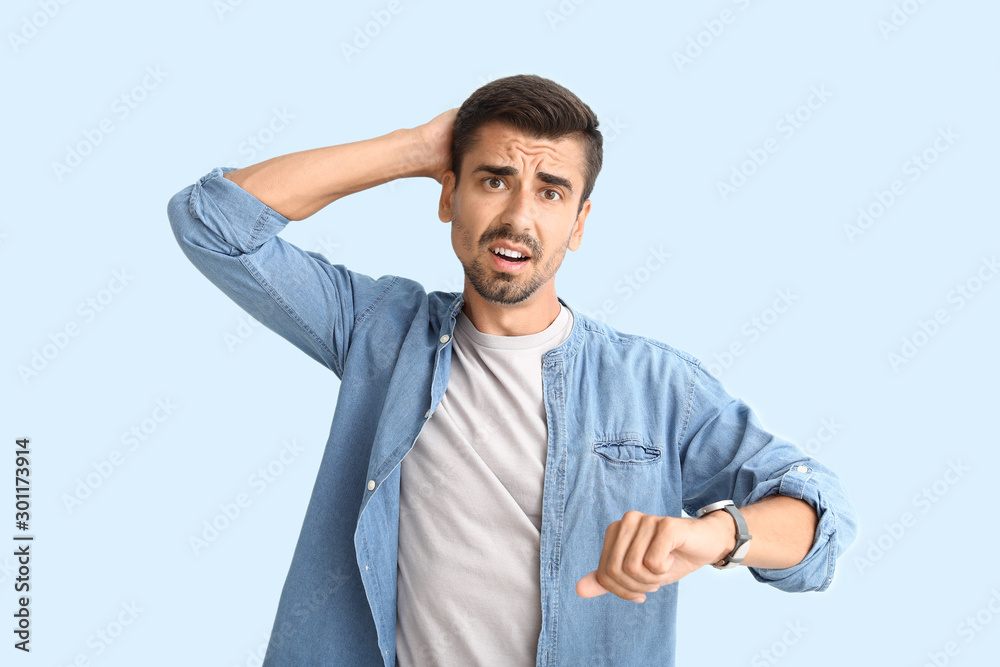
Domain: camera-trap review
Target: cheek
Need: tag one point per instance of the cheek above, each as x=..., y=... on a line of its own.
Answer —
x=462, y=239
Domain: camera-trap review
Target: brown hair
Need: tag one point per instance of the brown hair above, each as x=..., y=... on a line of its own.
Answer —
x=539, y=107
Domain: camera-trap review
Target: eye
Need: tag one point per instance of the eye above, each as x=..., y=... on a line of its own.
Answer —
x=489, y=181
x=556, y=196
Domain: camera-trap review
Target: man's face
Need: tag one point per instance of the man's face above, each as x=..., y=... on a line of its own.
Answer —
x=519, y=193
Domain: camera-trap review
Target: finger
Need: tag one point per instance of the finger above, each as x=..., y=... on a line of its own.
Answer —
x=601, y=575
x=635, y=574
x=610, y=536
x=659, y=554
x=617, y=541
x=588, y=586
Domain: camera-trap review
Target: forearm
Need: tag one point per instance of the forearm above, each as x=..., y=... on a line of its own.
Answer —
x=299, y=184
x=783, y=529
x=643, y=552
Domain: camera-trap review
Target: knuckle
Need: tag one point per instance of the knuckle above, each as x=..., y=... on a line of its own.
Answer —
x=654, y=565
x=632, y=568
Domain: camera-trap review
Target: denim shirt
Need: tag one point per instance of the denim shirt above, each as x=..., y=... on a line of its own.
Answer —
x=633, y=424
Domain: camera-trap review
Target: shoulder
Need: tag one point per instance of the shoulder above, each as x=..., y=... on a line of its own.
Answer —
x=600, y=334
x=648, y=362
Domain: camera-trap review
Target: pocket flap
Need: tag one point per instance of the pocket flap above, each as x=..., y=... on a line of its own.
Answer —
x=626, y=449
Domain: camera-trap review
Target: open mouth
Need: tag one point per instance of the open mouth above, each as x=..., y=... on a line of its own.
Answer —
x=508, y=264
x=509, y=256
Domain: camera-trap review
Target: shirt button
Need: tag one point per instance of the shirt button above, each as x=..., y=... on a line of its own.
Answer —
x=371, y=485
x=802, y=469
x=427, y=414
x=445, y=338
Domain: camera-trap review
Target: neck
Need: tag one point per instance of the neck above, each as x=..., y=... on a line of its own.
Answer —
x=532, y=315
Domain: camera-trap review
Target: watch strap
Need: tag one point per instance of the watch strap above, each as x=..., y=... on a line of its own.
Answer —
x=743, y=536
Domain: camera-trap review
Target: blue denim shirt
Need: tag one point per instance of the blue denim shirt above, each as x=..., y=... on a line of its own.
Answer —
x=633, y=424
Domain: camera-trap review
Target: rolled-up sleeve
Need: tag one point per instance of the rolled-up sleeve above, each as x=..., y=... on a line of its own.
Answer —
x=727, y=454
x=231, y=237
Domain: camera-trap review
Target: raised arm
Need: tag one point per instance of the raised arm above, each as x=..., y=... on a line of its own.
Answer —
x=299, y=184
x=227, y=224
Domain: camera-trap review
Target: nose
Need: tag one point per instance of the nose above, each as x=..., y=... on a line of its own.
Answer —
x=519, y=213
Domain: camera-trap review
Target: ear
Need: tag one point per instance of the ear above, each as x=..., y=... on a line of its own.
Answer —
x=577, y=234
x=447, y=196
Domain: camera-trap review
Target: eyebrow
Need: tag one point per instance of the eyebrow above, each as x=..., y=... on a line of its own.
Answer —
x=546, y=177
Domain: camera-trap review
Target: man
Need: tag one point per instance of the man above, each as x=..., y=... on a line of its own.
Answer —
x=505, y=477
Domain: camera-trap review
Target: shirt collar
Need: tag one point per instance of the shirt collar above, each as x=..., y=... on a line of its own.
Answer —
x=567, y=348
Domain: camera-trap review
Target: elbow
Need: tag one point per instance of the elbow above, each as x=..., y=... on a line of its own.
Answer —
x=189, y=230
x=179, y=213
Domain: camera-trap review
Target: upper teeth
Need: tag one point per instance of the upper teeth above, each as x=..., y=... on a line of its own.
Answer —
x=508, y=253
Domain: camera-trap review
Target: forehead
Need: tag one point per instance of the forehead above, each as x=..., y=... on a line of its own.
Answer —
x=498, y=143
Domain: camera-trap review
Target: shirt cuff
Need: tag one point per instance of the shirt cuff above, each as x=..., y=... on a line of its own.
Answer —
x=815, y=572
x=232, y=213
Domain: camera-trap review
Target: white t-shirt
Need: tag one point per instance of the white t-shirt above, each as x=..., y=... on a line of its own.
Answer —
x=470, y=507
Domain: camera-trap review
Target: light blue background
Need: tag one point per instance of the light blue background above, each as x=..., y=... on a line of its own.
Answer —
x=671, y=134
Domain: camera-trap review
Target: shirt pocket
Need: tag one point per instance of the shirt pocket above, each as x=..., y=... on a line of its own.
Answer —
x=627, y=450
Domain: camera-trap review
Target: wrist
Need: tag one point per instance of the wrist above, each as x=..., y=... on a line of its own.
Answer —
x=434, y=140
x=724, y=529
x=416, y=155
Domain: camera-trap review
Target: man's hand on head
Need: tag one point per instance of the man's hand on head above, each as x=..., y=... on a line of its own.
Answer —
x=436, y=135
x=643, y=552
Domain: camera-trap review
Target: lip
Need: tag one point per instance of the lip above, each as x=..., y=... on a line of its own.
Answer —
x=505, y=265
x=511, y=246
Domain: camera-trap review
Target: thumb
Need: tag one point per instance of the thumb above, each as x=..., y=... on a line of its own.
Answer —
x=588, y=586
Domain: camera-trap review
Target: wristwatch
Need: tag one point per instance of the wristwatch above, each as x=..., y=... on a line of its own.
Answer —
x=743, y=538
